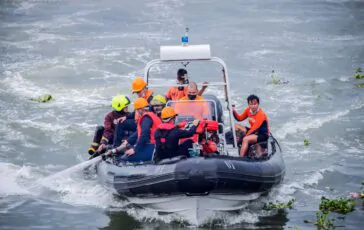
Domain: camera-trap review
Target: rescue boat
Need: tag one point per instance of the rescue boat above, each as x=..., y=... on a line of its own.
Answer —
x=211, y=180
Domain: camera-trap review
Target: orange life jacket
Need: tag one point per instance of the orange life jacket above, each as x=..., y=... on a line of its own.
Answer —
x=148, y=96
x=255, y=120
x=156, y=122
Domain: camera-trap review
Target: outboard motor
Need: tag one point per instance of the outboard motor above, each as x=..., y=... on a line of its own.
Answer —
x=208, y=136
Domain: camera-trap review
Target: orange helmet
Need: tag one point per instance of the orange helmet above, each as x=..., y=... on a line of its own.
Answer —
x=168, y=112
x=138, y=84
x=140, y=103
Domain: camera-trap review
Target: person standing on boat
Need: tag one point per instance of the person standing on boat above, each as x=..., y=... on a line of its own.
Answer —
x=145, y=142
x=112, y=119
x=168, y=135
x=175, y=93
x=259, y=125
x=158, y=103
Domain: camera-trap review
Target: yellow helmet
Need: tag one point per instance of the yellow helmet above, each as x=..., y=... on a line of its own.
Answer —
x=138, y=84
x=158, y=100
x=168, y=112
x=119, y=102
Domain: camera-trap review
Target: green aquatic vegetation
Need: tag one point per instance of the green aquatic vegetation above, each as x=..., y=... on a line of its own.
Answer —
x=360, y=85
x=306, y=142
x=276, y=80
x=341, y=205
x=323, y=221
x=359, y=74
x=278, y=205
x=42, y=99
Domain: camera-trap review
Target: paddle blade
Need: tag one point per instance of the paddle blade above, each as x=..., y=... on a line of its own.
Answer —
x=75, y=168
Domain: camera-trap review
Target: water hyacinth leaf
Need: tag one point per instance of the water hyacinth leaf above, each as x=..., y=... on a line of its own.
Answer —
x=306, y=142
x=278, y=205
x=359, y=74
x=323, y=221
x=276, y=80
x=42, y=99
x=341, y=205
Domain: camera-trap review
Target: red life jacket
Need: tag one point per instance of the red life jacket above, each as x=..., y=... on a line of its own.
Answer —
x=164, y=129
x=156, y=122
x=205, y=125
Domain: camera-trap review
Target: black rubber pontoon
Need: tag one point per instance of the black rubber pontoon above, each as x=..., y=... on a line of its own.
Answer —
x=195, y=176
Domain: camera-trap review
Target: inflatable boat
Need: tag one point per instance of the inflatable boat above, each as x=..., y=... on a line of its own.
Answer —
x=197, y=186
x=195, y=176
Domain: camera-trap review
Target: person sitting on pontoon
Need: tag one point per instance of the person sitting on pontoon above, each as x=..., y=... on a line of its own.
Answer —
x=175, y=93
x=168, y=136
x=106, y=135
x=259, y=125
x=144, y=136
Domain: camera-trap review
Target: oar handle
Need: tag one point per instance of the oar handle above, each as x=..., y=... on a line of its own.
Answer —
x=96, y=154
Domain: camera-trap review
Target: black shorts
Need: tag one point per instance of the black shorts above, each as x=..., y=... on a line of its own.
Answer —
x=261, y=136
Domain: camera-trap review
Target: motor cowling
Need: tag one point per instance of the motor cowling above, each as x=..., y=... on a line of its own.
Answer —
x=208, y=136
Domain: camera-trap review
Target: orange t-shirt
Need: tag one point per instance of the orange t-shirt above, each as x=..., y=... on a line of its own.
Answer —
x=255, y=120
x=174, y=94
x=197, y=108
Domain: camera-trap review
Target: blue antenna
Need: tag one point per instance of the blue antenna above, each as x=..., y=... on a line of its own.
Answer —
x=184, y=38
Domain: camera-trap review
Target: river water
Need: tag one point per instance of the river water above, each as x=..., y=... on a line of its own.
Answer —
x=84, y=52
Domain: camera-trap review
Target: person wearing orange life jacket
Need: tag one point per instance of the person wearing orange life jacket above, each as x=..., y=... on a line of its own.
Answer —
x=168, y=135
x=139, y=86
x=127, y=126
x=145, y=142
x=175, y=93
x=259, y=126
x=195, y=107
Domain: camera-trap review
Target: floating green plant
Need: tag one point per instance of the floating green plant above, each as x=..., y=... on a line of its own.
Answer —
x=278, y=205
x=359, y=74
x=341, y=205
x=360, y=85
x=42, y=99
x=276, y=80
x=306, y=142
x=323, y=220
